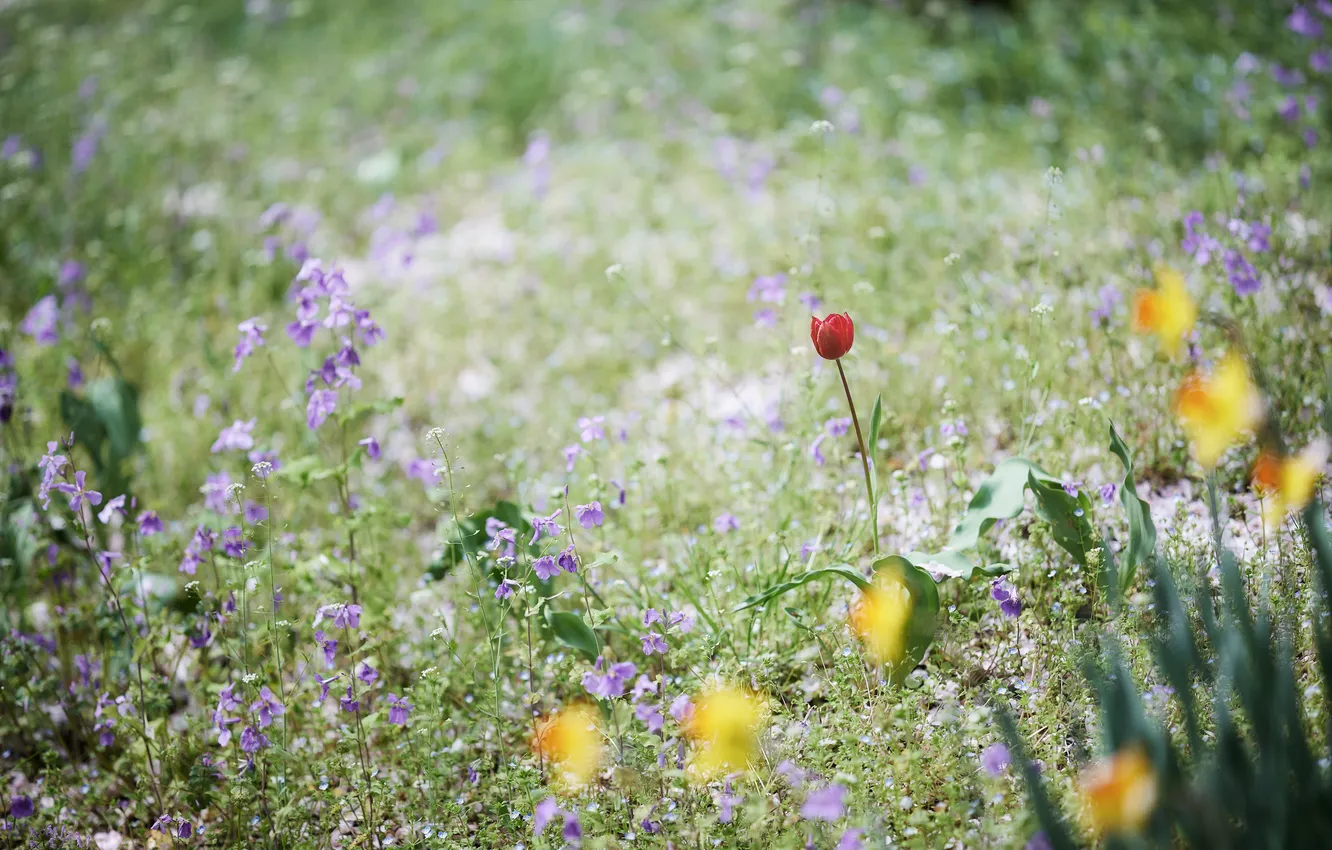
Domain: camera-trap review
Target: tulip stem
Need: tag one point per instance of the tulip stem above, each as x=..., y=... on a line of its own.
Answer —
x=864, y=458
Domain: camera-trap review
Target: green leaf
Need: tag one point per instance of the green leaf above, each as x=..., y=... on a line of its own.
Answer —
x=924, y=609
x=998, y=497
x=1142, y=532
x=951, y=563
x=876, y=422
x=301, y=470
x=837, y=570
x=1068, y=517
x=105, y=421
x=571, y=631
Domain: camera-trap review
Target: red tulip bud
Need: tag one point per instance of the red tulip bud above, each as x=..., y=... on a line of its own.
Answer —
x=832, y=336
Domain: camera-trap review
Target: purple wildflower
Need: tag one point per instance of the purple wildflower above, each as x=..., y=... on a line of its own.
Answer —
x=73, y=373
x=995, y=759
x=725, y=523
x=1241, y=273
x=544, y=813
x=652, y=615
x=40, y=322
x=573, y=830
x=827, y=803
x=252, y=740
x=1006, y=595
x=589, y=515
x=1108, y=491
x=850, y=839
x=1071, y=488
x=651, y=715
x=371, y=446
x=654, y=642
x=398, y=710
x=1302, y=22
x=330, y=648
x=252, y=338
x=591, y=428
x=727, y=802
x=545, y=525
x=683, y=620
x=1109, y=296
x=324, y=683
x=321, y=404
x=505, y=589
x=215, y=493
x=682, y=708
x=568, y=559
x=78, y=491
x=795, y=775
x=266, y=707
x=344, y=615
x=302, y=332
x=111, y=508
x=765, y=318
x=545, y=567
x=349, y=702
x=768, y=288
x=367, y=674
x=235, y=437
x=20, y=806
x=149, y=524
x=571, y=453
x=837, y=426
x=811, y=301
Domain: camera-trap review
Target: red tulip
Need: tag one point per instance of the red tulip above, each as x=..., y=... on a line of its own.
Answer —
x=832, y=336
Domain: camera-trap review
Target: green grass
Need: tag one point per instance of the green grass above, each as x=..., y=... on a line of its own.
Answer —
x=934, y=218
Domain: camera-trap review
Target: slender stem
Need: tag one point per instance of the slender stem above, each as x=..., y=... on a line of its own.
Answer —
x=864, y=458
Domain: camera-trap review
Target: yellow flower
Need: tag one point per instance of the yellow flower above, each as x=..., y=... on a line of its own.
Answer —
x=1166, y=311
x=569, y=740
x=880, y=618
x=1217, y=409
x=1287, y=483
x=724, y=727
x=1119, y=792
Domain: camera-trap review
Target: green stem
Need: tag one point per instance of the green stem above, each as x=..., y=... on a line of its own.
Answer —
x=864, y=458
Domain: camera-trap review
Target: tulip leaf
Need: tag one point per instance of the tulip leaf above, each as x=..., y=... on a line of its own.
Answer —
x=950, y=563
x=1069, y=517
x=1142, y=532
x=924, y=609
x=573, y=632
x=837, y=570
x=876, y=423
x=998, y=497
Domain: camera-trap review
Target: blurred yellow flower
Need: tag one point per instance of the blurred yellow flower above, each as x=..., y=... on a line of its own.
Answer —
x=880, y=617
x=570, y=741
x=1217, y=409
x=1166, y=311
x=1119, y=792
x=724, y=728
x=1287, y=483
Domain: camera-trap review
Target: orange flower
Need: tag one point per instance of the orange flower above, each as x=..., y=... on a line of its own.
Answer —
x=1119, y=793
x=569, y=740
x=880, y=617
x=1166, y=311
x=1287, y=483
x=1217, y=409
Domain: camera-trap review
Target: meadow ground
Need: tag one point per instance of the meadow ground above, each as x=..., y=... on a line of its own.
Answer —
x=482, y=485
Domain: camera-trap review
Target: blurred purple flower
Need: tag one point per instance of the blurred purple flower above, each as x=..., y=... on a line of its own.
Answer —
x=1241, y=273
x=827, y=803
x=149, y=524
x=1108, y=491
x=1302, y=22
x=40, y=322
x=235, y=437
x=322, y=403
x=725, y=523
x=371, y=446
x=653, y=642
x=994, y=759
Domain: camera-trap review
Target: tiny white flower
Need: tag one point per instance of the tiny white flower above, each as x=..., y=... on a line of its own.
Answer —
x=820, y=127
